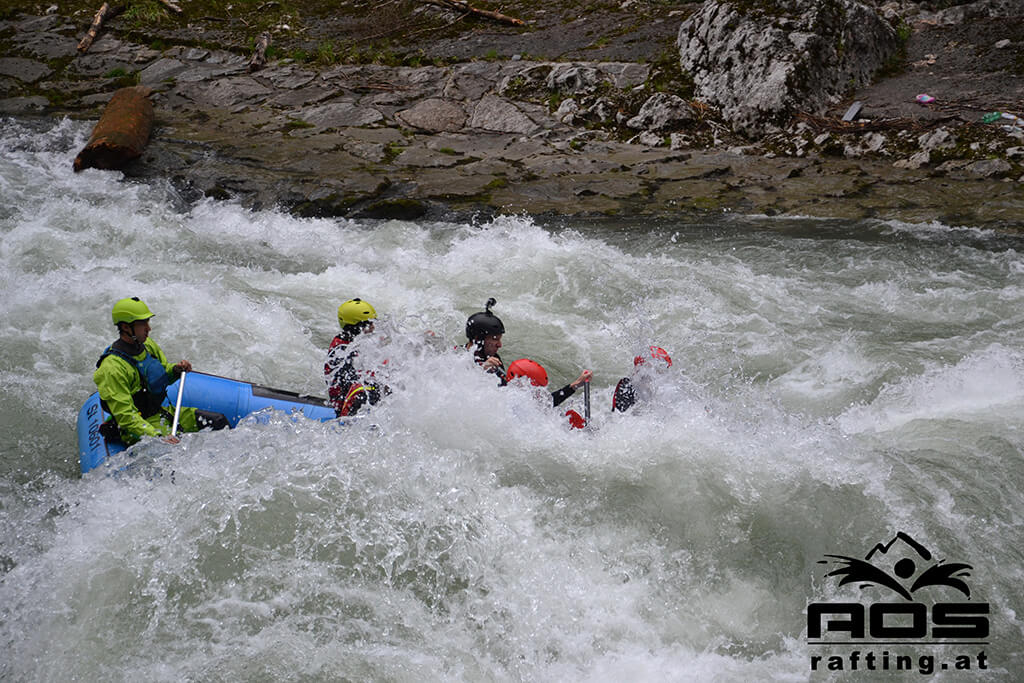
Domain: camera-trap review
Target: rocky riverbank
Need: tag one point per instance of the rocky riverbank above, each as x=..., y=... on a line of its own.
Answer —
x=651, y=118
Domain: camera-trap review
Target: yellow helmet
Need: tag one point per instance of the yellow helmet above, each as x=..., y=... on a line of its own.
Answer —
x=130, y=310
x=355, y=311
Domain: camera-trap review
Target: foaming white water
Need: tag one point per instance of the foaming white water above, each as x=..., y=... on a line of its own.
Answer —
x=830, y=386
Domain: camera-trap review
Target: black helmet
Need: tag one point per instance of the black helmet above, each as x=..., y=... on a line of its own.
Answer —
x=484, y=323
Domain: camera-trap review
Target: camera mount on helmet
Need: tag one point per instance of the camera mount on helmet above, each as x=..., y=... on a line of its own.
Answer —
x=484, y=324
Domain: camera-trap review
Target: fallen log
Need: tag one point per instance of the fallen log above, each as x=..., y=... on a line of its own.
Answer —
x=122, y=131
x=462, y=6
x=105, y=12
x=259, y=57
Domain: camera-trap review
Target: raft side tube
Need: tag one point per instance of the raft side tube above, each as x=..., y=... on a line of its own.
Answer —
x=93, y=449
x=234, y=399
x=231, y=398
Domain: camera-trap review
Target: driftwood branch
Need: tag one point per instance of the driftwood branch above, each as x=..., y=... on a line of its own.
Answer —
x=170, y=5
x=834, y=125
x=259, y=56
x=105, y=12
x=462, y=6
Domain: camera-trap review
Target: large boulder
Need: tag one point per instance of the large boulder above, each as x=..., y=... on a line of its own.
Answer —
x=760, y=62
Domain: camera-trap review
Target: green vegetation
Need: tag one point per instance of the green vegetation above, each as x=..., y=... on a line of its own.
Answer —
x=144, y=13
x=123, y=78
x=667, y=75
x=895, y=63
x=392, y=151
x=903, y=32
x=297, y=124
x=326, y=54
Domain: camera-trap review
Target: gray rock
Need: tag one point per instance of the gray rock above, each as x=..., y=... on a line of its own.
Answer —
x=32, y=24
x=940, y=138
x=161, y=70
x=471, y=81
x=760, y=68
x=23, y=105
x=104, y=43
x=303, y=97
x=567, y=111
x=679, y=141
x=602, y=110
x=97, y=99
x=532, y=76
x=46, y=45
x=422, y=157
x=625, y=75
x=287, y=77
x=662, y=111
x=914, y=162
x=435, y=115
x=25, y=70
x=188, y=54
x=648, y=139
x=959, y=14
x=574, y=79
x=989, y=168
x=873, y=142
x=196, y=72
x=228, y=93
x=340, y=115
x=501, y=116
x=951, y=166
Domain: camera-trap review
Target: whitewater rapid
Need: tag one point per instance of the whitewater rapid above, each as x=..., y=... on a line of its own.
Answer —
x=832, y=385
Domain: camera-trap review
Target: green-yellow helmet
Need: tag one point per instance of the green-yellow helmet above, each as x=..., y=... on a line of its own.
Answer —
x=129, y=310
x=355, y=311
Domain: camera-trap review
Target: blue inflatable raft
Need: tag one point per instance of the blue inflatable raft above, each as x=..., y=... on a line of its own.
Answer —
x=231, y=398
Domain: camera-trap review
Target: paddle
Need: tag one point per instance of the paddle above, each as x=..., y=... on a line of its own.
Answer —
x=586, y=401
x=177, y=405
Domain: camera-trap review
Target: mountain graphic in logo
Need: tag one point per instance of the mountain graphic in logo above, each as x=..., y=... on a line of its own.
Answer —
x=895, y=574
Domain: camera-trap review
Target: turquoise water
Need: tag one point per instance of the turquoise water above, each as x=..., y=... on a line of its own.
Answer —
x=833, y=384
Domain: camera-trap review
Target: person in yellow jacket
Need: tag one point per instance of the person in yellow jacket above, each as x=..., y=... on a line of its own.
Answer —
x=132, y=376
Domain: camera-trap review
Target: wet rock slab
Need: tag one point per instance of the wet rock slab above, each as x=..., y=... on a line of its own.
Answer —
x=377, y=141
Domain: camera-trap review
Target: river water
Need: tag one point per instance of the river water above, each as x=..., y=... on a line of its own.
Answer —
x=834, y=384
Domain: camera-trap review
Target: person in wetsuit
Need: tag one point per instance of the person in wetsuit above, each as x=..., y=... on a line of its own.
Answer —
x=132, y=376
x=631, y=389
x=483, y=332
x=525, y=367
x=348, y=388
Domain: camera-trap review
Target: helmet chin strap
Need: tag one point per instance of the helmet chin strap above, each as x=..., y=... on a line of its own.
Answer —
x=131, y=330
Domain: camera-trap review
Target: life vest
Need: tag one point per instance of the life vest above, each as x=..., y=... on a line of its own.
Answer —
x=153, y=378
x=624, y=396
x=337, y=370
x=479, y=357
x=358, y=394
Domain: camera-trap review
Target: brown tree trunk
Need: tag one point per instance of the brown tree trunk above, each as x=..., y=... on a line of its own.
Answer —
x=122, y=131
